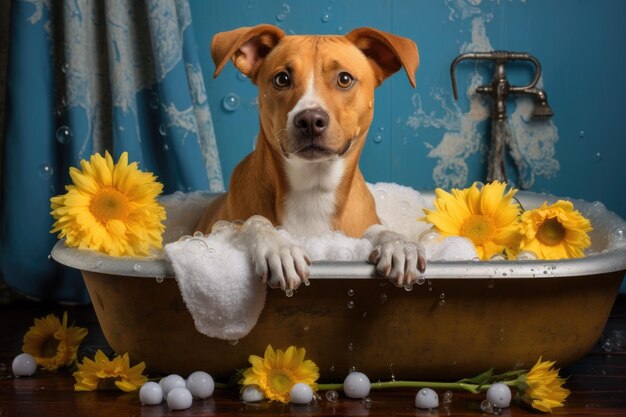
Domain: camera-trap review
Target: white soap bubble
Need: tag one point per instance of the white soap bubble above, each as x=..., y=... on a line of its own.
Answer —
x=426, y=399
x=252, y=394
x=170, y=382
x=499, y=394
x=151, y=393
x=301, y=393
x=179, y=398
x=200, y=384
x=24, y=364
x=356, y=385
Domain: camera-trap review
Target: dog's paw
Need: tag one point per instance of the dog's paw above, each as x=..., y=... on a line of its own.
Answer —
x=396, y=258
x=276, y=260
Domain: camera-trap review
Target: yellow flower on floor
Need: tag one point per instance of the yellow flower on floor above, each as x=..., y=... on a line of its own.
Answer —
x=52, y=343
x=487, y=216
x=104, y=374
x=555, y=232
x=542, y=388
x=110, y=208
x=278, y=371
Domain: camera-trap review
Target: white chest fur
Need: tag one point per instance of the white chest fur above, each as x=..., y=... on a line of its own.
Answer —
x=310, y=204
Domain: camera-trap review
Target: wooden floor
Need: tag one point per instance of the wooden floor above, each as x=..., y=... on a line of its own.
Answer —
x=597, y=382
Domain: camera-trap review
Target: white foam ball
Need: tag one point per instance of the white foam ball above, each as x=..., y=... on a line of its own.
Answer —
x=426, y=398
x=356, y=385
x=200, y=384
x=151, y=393
x=170, y=382
x=301, y=393
x=499, y=394
x=179, y=399
x=24, y=364
x=252, y=394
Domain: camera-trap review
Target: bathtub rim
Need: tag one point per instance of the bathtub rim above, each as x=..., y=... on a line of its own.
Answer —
x=158, y=267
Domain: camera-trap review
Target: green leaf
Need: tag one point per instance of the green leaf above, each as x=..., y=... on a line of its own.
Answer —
x=480, y=379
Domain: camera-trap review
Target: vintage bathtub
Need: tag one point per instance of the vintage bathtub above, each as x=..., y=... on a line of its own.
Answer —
x=466, y=318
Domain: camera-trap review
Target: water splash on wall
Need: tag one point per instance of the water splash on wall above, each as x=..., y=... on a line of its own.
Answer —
x=532, y=143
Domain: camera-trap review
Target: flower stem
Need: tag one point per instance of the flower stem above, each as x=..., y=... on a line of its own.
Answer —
x=473, y=388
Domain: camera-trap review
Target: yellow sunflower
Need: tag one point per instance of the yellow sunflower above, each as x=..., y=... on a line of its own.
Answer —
x=542, y=388
x=278, y=371
x=52, y=343
x=104, y=374
x=110, y=207
x=555, y=232
x=487, y=216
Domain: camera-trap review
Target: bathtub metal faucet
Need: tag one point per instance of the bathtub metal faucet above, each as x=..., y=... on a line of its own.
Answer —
x=498, y=89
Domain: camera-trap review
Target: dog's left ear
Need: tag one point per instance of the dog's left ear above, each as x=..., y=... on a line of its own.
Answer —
x=388, y=52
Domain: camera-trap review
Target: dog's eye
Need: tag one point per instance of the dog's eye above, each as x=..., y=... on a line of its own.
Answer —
x=345, y=80
x=282, y=80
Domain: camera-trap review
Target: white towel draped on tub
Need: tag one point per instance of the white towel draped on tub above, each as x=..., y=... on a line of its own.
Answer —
x=216, y=282
x=215, y=275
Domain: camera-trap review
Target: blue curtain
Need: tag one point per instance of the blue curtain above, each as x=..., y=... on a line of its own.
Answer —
x=87, y=76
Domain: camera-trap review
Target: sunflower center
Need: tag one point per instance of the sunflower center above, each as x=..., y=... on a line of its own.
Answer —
x=279, y=381
x=551, y=232
x=109, y=204
x=49, y=349
x=478, y=228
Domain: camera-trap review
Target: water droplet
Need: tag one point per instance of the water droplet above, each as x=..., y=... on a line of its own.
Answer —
x=99, y=265
x=350, y=347
x=65, y=68
x=447, y=397
x=233, y=342
x=350, y=292
x=45, y=171
x=598, y=157
x=154, y=100
x=420, y=280
x=476, y=259
x=429, y=236
x=408, y=287
x=367, y=402
x=364, y=314
x=160, y=279
x=350, y=305
x=198, y=233
x=231, y=102
x=526, y=255
x=166, y=147
x=64, y=135
x=486, y=407
x=49, y=256
x=241, y=76
x=332, y=367
x=289, y=292
x=332, y=396
x=617, y=236
x=162, y=130
x=184, y=238
x=250, y=4
x=137, y=267
x=491, y=284
x=339, y=30
x=498, y=257
x=581, y=134
x=383, y=298
x=442, y=296
x=603, y=372
x=326, y=17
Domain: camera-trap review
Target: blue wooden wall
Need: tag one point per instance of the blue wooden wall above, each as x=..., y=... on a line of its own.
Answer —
x=423, y=138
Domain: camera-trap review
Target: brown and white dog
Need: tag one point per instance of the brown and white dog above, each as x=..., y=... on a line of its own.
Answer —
x=316, y=103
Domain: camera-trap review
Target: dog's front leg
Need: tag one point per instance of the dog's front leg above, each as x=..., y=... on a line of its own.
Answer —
x=395, y=256
x=275, y=259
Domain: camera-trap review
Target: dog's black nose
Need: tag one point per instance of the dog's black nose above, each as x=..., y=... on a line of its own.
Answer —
x=311, y=122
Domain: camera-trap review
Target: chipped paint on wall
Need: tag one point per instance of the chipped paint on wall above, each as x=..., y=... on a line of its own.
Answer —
x=531, y=143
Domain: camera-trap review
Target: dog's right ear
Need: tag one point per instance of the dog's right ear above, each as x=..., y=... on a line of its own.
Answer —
x=246, y=47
